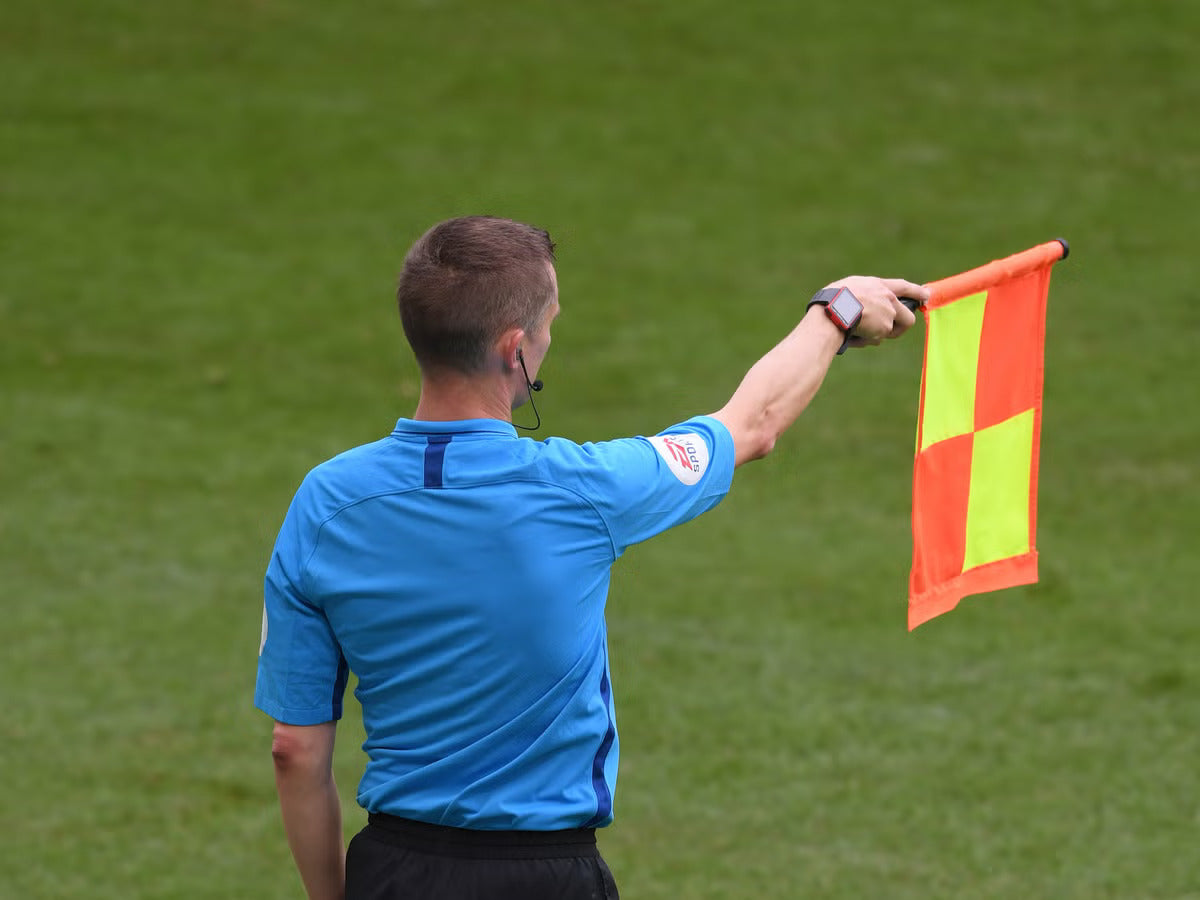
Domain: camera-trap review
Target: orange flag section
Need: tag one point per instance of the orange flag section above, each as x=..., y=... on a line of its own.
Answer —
x=978, y=430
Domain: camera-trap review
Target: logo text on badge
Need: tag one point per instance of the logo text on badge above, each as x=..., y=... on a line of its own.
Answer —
x=686, y=455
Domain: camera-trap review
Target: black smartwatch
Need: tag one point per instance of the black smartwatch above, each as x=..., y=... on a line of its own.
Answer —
x=842, y=307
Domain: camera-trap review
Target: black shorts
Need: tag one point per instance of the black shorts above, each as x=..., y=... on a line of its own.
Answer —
x=399, y=859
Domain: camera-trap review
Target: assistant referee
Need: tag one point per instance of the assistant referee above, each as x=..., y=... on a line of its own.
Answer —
x=461, y=573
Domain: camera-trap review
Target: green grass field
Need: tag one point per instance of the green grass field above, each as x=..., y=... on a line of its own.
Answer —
x=203, y=210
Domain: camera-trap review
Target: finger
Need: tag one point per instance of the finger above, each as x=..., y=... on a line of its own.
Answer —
x=857, y=341
x=902, y=288
x=905, y=318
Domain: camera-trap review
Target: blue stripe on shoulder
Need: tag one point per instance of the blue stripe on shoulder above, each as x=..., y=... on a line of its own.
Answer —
x=435, y=455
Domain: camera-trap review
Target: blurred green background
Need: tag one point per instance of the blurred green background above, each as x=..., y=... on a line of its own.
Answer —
x=203, y=210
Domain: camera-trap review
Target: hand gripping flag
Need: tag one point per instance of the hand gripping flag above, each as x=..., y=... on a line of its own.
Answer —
x=978, y=428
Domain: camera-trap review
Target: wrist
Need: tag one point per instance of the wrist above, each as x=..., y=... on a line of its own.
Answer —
x=830, y=337
x=843, y=310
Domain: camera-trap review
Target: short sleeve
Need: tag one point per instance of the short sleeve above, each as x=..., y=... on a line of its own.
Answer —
x=644, y=485
x=301, y=671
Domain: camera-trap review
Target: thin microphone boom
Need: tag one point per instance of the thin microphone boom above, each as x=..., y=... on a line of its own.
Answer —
x=532, y=387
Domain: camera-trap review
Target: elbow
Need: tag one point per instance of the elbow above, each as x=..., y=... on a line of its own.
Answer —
x=755, y=444
x=765, y=432
x=293, y=752
x=753, y=435
x=286, y=752
x=763, y=447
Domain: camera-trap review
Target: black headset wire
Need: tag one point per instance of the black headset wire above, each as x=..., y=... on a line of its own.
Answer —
x=531, y=387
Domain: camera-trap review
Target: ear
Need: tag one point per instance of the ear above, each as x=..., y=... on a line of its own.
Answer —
x=509, y=346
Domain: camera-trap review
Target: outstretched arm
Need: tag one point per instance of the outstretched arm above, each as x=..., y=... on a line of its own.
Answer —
x=780, y=385
x=312, y=812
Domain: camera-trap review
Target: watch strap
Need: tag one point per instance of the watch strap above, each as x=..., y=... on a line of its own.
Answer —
x=824, y=296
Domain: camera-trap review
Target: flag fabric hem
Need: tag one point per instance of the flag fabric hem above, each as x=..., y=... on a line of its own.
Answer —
x=943, y=597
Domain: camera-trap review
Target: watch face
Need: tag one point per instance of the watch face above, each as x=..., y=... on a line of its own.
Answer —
x=846, y=309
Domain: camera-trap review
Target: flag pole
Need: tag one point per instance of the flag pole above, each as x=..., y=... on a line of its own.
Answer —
x=974, y=280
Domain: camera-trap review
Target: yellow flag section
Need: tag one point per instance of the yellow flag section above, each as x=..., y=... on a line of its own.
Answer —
x=975, y=472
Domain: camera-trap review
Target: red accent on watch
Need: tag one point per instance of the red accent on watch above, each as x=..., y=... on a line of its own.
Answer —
x=837, y=320
x=836, y=316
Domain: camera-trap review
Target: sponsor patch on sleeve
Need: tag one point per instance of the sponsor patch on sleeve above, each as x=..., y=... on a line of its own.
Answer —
x=686, y=455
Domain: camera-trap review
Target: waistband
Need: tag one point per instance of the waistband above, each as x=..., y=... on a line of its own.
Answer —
x=470, y=843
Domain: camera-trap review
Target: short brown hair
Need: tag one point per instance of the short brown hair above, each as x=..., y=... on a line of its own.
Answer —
x=468, y=280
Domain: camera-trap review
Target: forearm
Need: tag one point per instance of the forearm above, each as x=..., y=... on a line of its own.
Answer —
x=312, y=812
x=781, y=384
x=312, y=819
x=778, y=388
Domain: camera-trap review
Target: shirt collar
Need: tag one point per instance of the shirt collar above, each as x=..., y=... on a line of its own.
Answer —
x=473, y=427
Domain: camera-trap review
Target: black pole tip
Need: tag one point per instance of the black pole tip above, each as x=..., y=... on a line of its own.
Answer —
x=1066, y=247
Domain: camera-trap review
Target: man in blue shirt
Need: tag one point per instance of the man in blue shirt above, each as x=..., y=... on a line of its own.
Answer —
x=461, y=573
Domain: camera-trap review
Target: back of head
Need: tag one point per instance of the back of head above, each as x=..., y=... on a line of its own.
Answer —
x=468, y=280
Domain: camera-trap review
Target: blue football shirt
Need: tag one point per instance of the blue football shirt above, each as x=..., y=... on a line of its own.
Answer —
x=461, y=573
